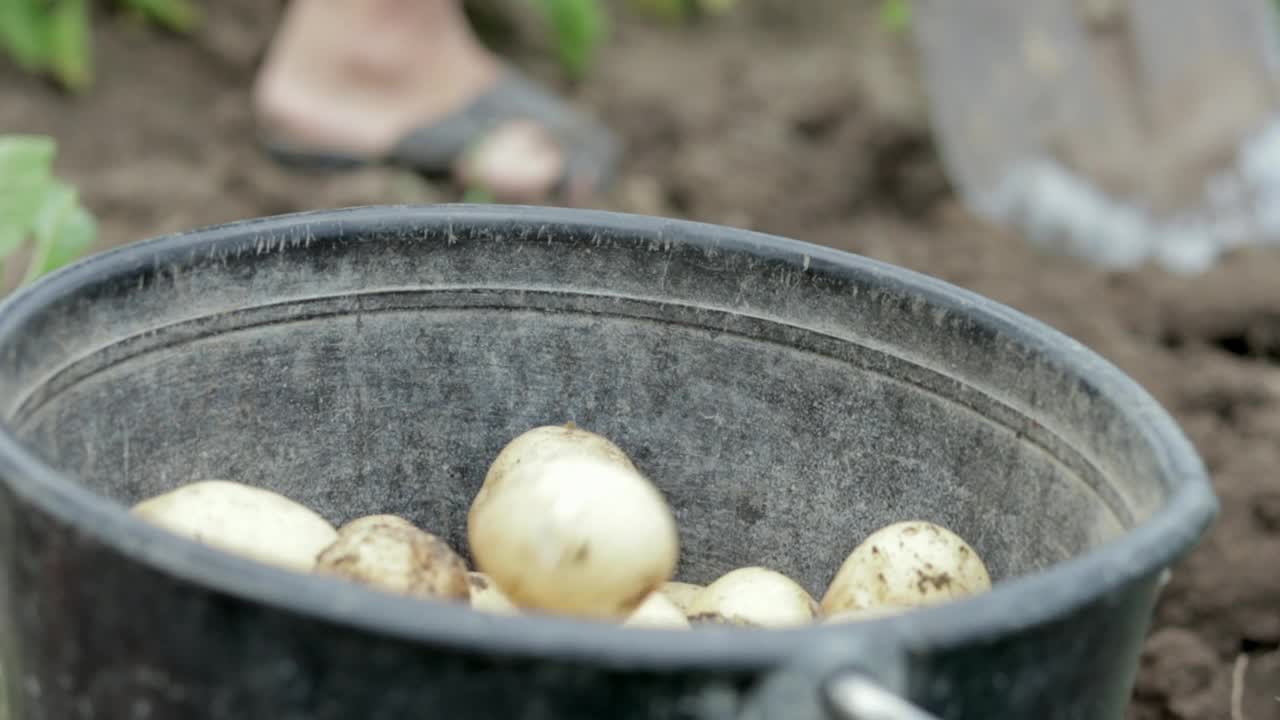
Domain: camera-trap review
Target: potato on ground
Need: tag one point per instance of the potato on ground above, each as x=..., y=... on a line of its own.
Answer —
x=241, y=519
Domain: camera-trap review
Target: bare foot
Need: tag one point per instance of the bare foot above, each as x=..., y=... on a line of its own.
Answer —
x=355, y=76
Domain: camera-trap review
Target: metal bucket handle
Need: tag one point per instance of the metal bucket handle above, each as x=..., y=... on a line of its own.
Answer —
x=841, y=677
x=854, y=696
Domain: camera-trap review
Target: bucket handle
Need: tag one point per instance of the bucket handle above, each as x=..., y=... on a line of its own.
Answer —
x=854, y=696
x=844, y=676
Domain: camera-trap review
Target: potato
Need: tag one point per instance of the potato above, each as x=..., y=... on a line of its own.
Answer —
x=548, y=441
x=906, y=565
x=754, y=597
x=681, y=593
x=240, y=519
x=369, y=521
x=657, y=611
x=391, y=554
x=486, y=596
x=845, y=616
x=566, y=524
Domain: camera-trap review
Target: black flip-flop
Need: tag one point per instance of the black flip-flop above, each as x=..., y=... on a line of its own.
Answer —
x=590, y=150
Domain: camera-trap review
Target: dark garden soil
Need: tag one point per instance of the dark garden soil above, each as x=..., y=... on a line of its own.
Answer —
x=807, y=124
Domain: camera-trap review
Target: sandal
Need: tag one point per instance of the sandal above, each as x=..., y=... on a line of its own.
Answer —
x=589, y=149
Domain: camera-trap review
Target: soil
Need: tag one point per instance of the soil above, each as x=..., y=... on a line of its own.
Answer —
x=808, y=124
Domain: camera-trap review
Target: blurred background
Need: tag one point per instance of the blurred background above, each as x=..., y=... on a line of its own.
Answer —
x=805, y=119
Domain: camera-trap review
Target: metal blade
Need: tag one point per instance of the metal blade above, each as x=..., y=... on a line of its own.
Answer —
x=1119, y=130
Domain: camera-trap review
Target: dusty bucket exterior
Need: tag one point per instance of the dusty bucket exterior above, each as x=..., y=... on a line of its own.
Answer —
x=788, y=399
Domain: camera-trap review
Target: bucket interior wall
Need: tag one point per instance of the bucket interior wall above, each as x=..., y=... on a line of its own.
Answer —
x=786, y=409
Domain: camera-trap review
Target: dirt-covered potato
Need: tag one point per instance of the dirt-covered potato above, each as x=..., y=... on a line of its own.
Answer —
x=241, y=519
x=657, y=611
x=368, y=521
x=754, y=597
x=681, y=593
x=849, y=616
x=905, y=565
x=566, y=524
x=391, y=554
x=486, y=596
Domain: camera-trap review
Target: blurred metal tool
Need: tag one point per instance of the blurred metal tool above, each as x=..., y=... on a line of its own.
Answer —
x=1122, y=131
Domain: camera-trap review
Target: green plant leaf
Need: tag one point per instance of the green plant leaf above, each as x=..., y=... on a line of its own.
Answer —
x=25, y=181
x=579, y=27
x=895, y=15
x=24, y=31
x=176, y=15
x=478, y=195
x=63, y=231
x=34, y=204
x=70, y=54
x=55, y=36
x=665, y=10
x=4, y=684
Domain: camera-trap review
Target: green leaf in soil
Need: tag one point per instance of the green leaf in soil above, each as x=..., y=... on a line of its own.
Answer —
x=478, y=195
x=666, y=10
x=23, y=32
x=63, y=231
x=70, y=44
x=25, y=182
x=895, y=15
x=176, y=15
x=579, y=27
x=716, y=7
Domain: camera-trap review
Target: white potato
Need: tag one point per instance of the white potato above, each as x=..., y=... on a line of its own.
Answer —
x=754, y=597
x=391, y=554
x=545, y=442
x=244, y=520
x=906, y=565
x=681, y=593
x=657, y=611
x=845, y=616
x=368, y=521
x=486, y=596
x=566, y=524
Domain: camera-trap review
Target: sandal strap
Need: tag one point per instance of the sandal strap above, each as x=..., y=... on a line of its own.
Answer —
x=438, y=146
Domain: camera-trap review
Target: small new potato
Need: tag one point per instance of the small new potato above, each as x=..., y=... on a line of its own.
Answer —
x=754, y=597
x=545, y=442
x=657, y=611
x=681, y=593
x=566, y=524
x=848, y=616
x=241, y=519
x=906, y=565
x=391, y=554
x=368, y=521
x=486, y=596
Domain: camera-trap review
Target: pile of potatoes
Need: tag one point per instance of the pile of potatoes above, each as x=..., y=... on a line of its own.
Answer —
x=565, y=524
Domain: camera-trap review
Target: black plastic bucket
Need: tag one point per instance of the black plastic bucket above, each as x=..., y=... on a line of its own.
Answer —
x=789, y=399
